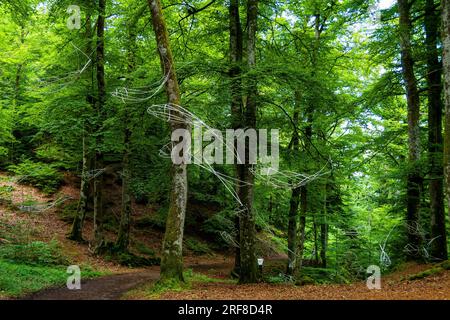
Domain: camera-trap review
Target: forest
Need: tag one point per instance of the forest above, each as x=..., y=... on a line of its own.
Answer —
x=224, y=149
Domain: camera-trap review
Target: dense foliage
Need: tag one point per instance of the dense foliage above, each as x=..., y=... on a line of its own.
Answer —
x=328, y=73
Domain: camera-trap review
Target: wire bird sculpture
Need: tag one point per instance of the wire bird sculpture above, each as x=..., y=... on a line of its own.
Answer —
x=176, y=114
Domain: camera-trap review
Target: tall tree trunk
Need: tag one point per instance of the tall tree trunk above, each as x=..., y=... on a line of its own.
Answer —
x=99, y=238
x=236, y=54
x=308, y=138
x=438, y=232
x=295, y=197
x=76, y=233
x=414, y=180
x=446, y=70
x=248, y=272
x=172, y=259
x=123, y=239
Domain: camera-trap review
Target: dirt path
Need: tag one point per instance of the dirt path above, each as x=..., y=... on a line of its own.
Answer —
x=114, y=286
x=103, y=288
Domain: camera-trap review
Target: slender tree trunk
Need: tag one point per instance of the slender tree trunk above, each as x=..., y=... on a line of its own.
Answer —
x=172, y=259
x=414, y=180
x=301, y=228
x=99, y=238
x=123, y=239
x=76, y=233
x=438, y=232
x=292, y=229
x=236, y=104
x=295, y=198
x=248, y=272
x=324, y=231
x=316, y=240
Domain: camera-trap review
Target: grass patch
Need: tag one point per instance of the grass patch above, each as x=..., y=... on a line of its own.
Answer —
x=20, y=279
x=35, y=253
x=155, y=290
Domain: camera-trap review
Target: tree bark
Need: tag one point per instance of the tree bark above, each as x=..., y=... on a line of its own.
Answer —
x=172, y=259
x=446, y=71
x=235, y=29
x=308, y=137
x=76, y=233
x=434, y=73
x=414, y=179
x=123, y=239
x=248, y=272
x=324, y=231
x=295, y=198
x=99, y=238
x=301, y=228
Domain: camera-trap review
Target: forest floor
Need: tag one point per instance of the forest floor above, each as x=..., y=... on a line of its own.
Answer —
x=436, y=287
x=121, y=282
x=138, y=286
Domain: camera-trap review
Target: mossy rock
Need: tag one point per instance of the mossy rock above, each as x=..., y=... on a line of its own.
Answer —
x=439, y=268
x=426, y=273
x=131, y=260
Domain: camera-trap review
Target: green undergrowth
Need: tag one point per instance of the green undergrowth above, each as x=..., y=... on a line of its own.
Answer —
x=38, y=174
x=30, y=267
x=307, y=276
x=27, y=266
x=21, y=279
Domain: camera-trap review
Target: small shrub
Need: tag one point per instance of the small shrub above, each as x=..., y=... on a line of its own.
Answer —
x=323, y=275
x=279, y=279
x=5, y=195
x=40, y=175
